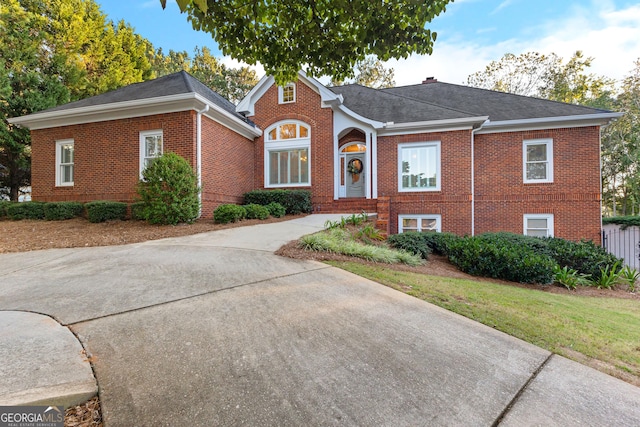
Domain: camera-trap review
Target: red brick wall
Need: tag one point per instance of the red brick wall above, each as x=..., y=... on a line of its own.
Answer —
x=306, y=109
x=107, y=156
x=453, y=202
x=573, y=198
x=354, y=135
x=227, y=166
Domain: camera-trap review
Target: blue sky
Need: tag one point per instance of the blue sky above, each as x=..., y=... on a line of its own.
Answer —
x=471, y=33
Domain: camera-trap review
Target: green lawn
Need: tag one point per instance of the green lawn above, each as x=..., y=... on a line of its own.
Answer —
x=606, y=329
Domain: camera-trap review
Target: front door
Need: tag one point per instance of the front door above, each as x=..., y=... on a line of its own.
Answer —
x=354, y=174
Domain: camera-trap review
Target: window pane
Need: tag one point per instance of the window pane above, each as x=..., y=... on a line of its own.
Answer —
x=304, y=132
x=288, y=131
x=429, y=224
x=153, y=146
x=419, y=167
x=536, y=152
x=537, y=233
x=537, y=223
x=410, y=223
x=67, y=153
x=67, y=173
x=294, y=169
x=284, y=167
x=273, y=134
x=288, y=93
x=537, y=170
x=273, y=168
x=304, y=166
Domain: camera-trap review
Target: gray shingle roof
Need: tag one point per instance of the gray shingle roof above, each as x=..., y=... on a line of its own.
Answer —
x=438, y=101
x=172, y=84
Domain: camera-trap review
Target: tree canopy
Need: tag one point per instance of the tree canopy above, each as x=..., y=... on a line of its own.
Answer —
x=322, y=37
x=370, y=72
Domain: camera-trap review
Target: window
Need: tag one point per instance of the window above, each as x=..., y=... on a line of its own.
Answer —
x=419, y=166
x=419, y=223
x=64, y=162
x=150, y=147
x=287, y=94
x=539, y=225
x=537, y=160
x=287, y=149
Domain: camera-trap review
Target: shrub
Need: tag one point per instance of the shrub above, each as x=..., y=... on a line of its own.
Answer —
x=629, y=276
x=623, y=221
x=584, y=257
x=439, y=242
x=229, y=213
x=4, y=204
x=294, y=201
x=62, y=210
x=608, y=276
x=137, y=211
x=169, y=191
x=276, y=210
x=105, y=210
x=25, y=210
x=256, y=211
x=501, y=258
x=412, y=242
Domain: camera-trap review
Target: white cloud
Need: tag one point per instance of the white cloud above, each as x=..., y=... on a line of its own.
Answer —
x=611, y=36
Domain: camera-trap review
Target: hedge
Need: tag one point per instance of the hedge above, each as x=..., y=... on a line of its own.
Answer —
x=294, y=201
x=623, y=221
x=25, y=210
x=54, y=211
x=105, y=210
x=255, y=211
x=276, y=210
x=4, y=204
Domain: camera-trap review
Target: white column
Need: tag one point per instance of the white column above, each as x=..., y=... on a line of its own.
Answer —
x=374, y=165
x=336, y=167
x=367, y=191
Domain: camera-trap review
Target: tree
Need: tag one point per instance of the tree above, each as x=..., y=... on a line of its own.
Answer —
x=231, y=83
x=53, y=52
x=326, y=38
x=371, y=73
x=545, y=76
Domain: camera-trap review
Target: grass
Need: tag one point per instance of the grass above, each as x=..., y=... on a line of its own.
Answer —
x=605, y=329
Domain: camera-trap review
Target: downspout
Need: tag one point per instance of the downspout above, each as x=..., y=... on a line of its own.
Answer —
x=473, y=177
x=199, y=154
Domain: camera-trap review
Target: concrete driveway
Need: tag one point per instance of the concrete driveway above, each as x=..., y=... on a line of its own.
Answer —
x=214, y=329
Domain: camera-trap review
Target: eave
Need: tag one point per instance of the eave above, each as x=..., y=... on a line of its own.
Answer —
x=135, y=108
x=584, y=120
x=446, y=125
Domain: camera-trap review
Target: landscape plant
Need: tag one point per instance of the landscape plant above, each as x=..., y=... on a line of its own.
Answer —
x=608, y=277
x=227, y=213
x=569, y=278
x=294, y=201
x=630, y=277
x=255, y=211
x=62, y=210
x=169, y=191
x=276, y=210
x=105, y=210
x=25, y=210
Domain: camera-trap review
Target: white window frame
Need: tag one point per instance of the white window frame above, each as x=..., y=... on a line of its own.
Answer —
x=420, y=217
x=59, y=164
x=549, y=144
x=548, y=217
x=281, y=90
x=289, y=144
x=414, y=145
x=143, y=135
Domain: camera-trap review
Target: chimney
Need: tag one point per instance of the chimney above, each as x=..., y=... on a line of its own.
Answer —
x=429, y=80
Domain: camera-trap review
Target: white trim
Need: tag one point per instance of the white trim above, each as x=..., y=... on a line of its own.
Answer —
x=286, y=145
x=281, y=93
x=446, y=125
x=420, y=217
x=143, y=135
x=548, y=217
x=549, y=151
x=583, y=120
x=374, y=165
x=59, y=144
x=136, y=108
x=438, y=185
x=199, y=155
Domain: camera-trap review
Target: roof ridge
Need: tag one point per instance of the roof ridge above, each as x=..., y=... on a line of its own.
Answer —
x=185, y=77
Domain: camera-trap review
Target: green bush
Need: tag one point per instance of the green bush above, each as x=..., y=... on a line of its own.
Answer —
x=137, y=211
x=105, y=210
x=229, y=213
x=412, y=242
x=4, y=204
x=256, y=211
x=25, y=210
x=585, y=257
x=276, y=210
x=623, y=221
x=294, y=201
x=439, y=242
x=62, y=210
x=169, y=191
x=501, y=258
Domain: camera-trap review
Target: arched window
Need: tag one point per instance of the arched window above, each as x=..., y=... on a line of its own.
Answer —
x=287, y=155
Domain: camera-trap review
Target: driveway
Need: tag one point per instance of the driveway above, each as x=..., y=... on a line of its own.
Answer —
x=214, y=329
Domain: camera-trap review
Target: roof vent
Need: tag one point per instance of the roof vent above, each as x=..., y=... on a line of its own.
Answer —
x=430, y=80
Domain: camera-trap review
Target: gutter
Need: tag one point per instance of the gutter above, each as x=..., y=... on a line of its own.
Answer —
x=199, y=154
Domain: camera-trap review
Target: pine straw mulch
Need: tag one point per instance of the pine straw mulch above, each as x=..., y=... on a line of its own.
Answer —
x=86, y=415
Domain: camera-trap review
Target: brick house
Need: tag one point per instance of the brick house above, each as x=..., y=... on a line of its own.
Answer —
x=432, y=156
